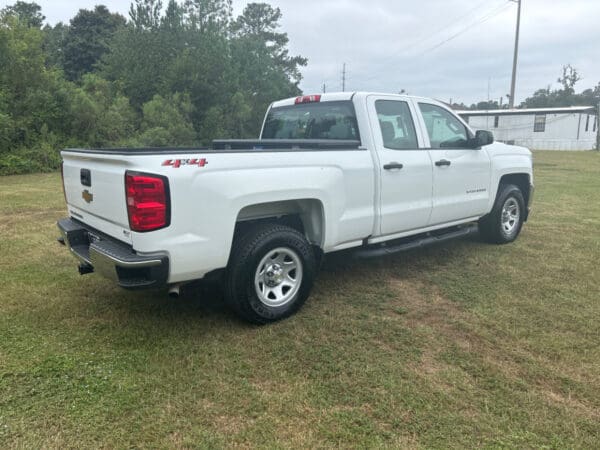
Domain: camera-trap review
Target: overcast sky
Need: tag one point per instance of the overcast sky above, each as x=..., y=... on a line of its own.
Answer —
x=389, y=45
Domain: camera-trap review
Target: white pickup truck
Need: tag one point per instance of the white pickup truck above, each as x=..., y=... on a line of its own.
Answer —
x=375, y=172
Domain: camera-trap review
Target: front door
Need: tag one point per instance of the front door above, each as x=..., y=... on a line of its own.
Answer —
x=405, y=167
x=461, y=175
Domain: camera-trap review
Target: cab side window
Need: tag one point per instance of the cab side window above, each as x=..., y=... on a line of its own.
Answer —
x=396, y=123
x=444, y=129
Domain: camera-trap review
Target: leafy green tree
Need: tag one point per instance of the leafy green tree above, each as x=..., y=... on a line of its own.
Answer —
x=6, y=125
x=145, y=14
x=167, y=122
x=178, y=75
x=591, y=96
x=139, y=61
x=233, y=119
x=54, y=41
x=208, y=15
x=261, y=59
x=486, y=105
x=30, y=92
x=143, y=53
x=173, y=18
x=88, y=38
x=542, y=98
x=566, y=95
x=28, y=13
x=99, y=114
x=205, y=71
x=568, y=80
x=259, y=23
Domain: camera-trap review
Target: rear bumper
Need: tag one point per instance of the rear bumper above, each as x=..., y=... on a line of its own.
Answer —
x=111, y=258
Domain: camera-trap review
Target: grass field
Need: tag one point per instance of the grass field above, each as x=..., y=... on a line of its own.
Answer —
x=460, y=345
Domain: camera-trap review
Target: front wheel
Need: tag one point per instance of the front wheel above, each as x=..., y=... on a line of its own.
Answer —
x=270, y=273
x=504, y=223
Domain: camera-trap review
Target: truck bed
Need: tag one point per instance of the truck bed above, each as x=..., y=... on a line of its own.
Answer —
x=232, y=146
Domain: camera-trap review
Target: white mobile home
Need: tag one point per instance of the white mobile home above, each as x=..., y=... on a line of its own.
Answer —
x=572, y=128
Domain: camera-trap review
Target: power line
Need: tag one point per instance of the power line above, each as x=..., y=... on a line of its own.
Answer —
x=482, y=19
x=490, y=14
x=451, y=24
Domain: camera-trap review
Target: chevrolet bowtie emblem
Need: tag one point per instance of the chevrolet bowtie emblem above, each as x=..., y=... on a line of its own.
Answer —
x=87, y=196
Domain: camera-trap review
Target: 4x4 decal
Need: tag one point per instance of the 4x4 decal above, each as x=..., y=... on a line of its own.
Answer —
x=177, y=163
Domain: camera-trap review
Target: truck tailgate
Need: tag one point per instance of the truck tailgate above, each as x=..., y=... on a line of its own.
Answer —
x=95, y=192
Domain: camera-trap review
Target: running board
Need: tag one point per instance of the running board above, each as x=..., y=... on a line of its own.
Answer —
x=424, y=240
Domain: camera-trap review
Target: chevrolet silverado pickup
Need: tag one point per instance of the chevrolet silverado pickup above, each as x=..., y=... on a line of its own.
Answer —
x=372, y=172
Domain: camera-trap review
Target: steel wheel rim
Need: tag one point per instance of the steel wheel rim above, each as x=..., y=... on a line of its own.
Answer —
x=511, y=214
x=278, y=277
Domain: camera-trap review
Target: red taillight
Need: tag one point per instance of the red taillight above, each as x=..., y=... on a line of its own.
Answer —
x=147, y=201
x=308, y=99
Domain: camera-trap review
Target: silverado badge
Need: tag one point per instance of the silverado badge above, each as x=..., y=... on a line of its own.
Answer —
x=87, y=196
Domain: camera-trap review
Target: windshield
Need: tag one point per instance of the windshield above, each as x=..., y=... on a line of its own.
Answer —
x=326, y=120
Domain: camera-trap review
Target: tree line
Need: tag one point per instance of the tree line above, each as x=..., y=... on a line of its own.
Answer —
x=179, y=74
x=174, y=74
x=548, y=97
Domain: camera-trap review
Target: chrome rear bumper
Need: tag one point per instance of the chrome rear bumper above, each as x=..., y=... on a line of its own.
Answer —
x=111, y=258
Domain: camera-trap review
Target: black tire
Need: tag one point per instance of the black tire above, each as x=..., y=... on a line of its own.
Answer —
x=247, y=253
x=493, y=228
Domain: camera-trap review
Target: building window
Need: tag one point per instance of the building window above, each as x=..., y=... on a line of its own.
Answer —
x=539, y=125
x=587, y=123
x=595, y=123
x=496, y=121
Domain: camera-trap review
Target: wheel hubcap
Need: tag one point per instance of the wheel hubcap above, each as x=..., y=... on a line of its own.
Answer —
x=511, y=214
x=278, y=277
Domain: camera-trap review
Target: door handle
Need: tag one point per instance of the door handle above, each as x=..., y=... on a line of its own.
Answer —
x=443, y=162
x=393, y=166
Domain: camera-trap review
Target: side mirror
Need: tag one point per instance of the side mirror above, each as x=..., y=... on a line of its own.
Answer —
x=482, y=138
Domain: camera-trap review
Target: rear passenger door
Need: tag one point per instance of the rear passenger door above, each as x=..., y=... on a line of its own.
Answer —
x=461, y=175
x=405, y=169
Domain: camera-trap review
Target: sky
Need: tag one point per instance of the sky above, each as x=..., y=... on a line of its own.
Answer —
x=459, y=50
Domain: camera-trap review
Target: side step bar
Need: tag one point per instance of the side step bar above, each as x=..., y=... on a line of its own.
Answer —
x=377, y=250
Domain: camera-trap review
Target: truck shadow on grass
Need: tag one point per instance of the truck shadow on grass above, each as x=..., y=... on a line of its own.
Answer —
x=205, y=300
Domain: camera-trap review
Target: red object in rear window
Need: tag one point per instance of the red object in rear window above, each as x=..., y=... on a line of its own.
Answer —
x=147, y=201
x=308, y=99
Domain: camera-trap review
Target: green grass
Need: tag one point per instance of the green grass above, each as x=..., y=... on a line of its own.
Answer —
x=460, y=345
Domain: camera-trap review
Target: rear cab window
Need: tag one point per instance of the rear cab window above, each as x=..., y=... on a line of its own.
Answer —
x=334, y=120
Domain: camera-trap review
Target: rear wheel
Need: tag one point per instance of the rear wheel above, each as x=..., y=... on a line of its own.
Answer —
x=504, y=223
x=270, y=273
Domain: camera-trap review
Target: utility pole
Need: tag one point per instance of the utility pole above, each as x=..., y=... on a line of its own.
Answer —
x=513, y=83
x=324, y=88
x=344, y=78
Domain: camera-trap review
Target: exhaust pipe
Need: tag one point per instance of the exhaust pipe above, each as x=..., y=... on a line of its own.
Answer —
x=84, y=269
x=174, y=291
